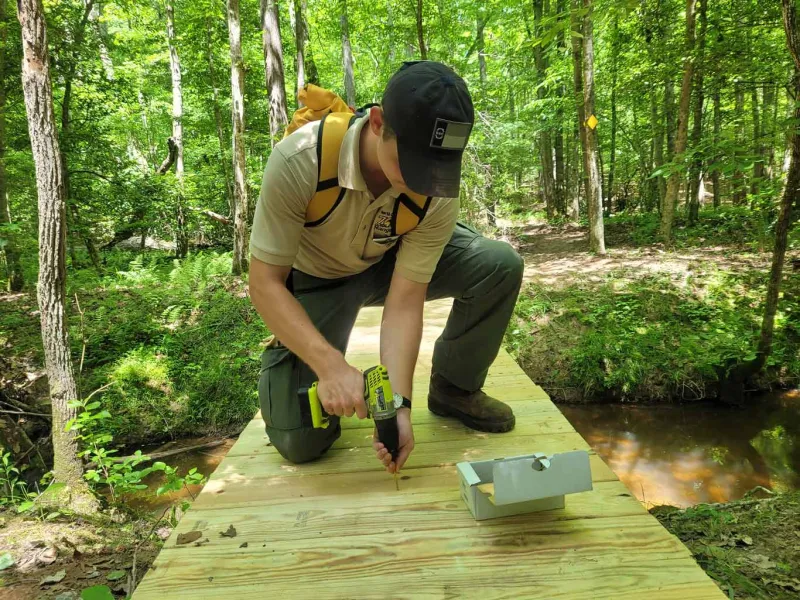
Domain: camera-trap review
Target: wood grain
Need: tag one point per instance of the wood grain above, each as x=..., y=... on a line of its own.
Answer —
x=338, y=527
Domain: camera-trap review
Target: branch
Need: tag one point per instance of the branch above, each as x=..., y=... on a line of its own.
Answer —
x=212, y=215
x=166, y=453
x=171, y=156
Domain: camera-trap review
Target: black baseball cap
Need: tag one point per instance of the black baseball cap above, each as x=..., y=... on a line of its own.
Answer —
x=430, y=110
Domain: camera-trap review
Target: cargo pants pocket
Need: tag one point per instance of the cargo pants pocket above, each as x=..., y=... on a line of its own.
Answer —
x=277, y=388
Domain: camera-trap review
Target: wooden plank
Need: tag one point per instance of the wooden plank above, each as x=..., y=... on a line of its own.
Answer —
x=338, y=527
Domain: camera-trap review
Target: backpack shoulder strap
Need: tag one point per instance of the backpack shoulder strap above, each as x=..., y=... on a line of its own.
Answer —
x=328, y=195
x=409, y=210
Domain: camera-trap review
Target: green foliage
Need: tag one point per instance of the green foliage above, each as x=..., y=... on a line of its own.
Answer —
x=652, y=337
x=13, y=489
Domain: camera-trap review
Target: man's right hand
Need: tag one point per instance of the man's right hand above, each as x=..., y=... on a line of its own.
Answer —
x=341, y=392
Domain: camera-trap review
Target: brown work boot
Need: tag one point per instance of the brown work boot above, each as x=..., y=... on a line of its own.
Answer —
x=475, y=409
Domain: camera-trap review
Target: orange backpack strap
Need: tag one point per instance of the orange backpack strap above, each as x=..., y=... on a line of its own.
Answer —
x=409, y=210
x=332, y=129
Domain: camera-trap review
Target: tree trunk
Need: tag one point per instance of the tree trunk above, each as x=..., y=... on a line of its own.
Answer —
x=594, y=198
x=273, y=69
x=613, y=154
x=181, y=236
x=717, y=130
x=758, y=149
x=16, y=280
x=669, y=117
x=659, y=183
x=545, y=142
x=791, y=196
x=240, y=237
x=67, y=467
x=668, y=212
x=347, y=60
x=696, y=172
x=102, y=34
x=423, y=51
x=300, y=52
x=767, y=130
x=577, y=71
x=739, y=189
x=558, y=142
x=221, y=137
x=481, y=43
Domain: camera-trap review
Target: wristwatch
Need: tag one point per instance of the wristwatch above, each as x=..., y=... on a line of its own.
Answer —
x=401, y=401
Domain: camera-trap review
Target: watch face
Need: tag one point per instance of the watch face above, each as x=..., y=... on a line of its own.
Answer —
x=398, y=400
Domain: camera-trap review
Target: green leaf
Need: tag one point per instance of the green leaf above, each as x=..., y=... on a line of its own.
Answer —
x=6, y=560
x=25, y=507
x=115, y=575
x=97, y=592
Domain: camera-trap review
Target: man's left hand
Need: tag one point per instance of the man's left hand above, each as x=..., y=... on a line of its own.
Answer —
x=406, y=440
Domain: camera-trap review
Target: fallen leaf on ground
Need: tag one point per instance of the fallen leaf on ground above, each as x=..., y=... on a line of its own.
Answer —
x=187, y=538
x=54, y=578
x=97, y=592
x=243, y=545
x=790, y=584
x=201, y=542
x=231, y=533
x=6, y=560
x=746, y=540
x=67, y=596
x=115, y=575
x=92, y=575
x=761, y=561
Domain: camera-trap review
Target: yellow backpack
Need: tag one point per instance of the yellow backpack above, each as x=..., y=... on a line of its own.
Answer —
x=336, y=118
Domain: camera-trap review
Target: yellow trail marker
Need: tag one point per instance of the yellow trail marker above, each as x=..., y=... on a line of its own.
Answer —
x=592, y=122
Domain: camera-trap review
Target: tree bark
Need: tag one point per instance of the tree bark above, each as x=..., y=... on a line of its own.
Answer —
x=240, y=237
x=696, y=172
x=669, y=118
x=67, y=468
x=347, y=59
x=717, y=129
x=423, y=51
x=659, y=183
x=682, y=135
x=739, y=187
x=16, y=281
x=273, y=69
x=545, y=141
x=594, y=198
x=558, y=142
x=181, y=235
x=300, y=52
x=577, y=71
x=221, y=136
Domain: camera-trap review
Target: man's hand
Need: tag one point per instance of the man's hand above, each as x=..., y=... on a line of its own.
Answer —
x=406, y=435
x=341, y=392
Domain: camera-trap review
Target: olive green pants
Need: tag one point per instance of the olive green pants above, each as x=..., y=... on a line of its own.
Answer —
x=482, y=275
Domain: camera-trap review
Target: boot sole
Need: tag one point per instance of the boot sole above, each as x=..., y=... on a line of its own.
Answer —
x=472, y=422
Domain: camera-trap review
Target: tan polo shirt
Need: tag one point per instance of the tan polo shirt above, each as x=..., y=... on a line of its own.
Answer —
x=356, y=235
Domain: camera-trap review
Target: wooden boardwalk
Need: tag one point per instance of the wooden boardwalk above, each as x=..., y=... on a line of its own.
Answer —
x=338, y=528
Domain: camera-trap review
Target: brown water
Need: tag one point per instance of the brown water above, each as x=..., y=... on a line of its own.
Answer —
x=684, y=455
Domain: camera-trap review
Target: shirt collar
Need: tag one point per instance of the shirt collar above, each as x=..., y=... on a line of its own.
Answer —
x=349, y=161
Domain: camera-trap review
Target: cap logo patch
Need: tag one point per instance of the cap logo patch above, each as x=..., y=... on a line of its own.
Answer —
x=450, y=135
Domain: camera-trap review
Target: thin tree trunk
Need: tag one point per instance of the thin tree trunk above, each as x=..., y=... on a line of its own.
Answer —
x=673, y=184
x=717, y=129
x=240, y=237
x=347, y=59
x=669, y=117
x=312, y=76
x=181, y=235
x=481, y=43
x=16, y=280
x=221, y=136
x=577, y=71
x=791, y=196
x=767, y=131
x=613, y=154
x=545, y=142
x=758, y=149
x=739, y=188
x=423, y=51
x=102, y=34
x=594, y=199
x=696, y=172
x=659, y=183
x=558, y=143
x=300, y=52
x=67, y=467
x=273, y=69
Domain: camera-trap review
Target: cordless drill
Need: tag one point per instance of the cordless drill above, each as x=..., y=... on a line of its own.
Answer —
x=380, y=403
